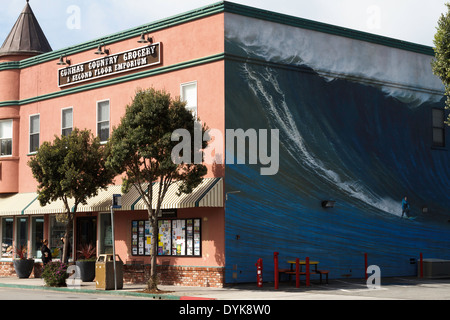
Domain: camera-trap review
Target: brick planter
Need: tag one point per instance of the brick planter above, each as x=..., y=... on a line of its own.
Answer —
x=177, y=275
x=169, y=275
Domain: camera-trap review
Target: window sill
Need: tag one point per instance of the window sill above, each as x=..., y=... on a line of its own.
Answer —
x=6, y=259
x=439, y=148
x=9, y=158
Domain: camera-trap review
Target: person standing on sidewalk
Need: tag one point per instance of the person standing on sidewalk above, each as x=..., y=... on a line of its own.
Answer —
x=46, y=253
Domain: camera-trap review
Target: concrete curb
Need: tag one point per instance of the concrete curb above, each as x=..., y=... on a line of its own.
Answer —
x=90, y=291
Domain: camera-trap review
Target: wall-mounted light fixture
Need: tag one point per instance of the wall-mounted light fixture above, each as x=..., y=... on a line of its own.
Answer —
x=101, y=51
x=145, y=38
x=328, y=203
x=226, y=194
x=61, y=61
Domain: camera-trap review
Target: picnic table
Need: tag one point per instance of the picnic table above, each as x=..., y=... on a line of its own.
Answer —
x=293, y=266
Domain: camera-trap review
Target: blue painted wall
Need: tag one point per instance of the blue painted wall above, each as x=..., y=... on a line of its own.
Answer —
x=345, y=139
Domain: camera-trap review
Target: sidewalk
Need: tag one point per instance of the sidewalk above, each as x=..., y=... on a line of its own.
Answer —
x=397, y=288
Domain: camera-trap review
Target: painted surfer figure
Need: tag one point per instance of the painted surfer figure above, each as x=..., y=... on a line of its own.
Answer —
x=405, y=207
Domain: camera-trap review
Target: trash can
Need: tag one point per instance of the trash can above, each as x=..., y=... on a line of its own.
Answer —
x=104, y=272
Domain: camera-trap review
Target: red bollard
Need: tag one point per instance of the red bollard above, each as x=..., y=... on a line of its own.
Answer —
x=307, y=271
x=275, y=261
x=259, y=268
x=421, y=265
x=297, y=273
x=365, y=265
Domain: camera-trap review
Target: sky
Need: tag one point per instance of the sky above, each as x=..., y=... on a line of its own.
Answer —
x=71, y=22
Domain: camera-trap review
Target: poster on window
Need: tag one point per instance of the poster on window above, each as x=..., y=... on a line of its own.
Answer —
x=141, y=237
x=147, y=238
x=134, y=237
x=164, y=237
x=197, y=241
x=189, y=238
x=176, y=237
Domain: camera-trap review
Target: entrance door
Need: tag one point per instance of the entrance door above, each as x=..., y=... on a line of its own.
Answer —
x=86, y=231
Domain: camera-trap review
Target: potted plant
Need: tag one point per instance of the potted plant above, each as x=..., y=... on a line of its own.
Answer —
x=86, y=262
x=22, y=265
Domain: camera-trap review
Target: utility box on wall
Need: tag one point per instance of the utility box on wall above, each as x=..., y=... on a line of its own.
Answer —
x=435, y=268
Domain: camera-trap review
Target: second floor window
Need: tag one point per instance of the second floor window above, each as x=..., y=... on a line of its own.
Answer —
x=5, y=137
x=66, y=121
x=34, y=132
x=189, y=95
x=438, y=127
x=103, y=120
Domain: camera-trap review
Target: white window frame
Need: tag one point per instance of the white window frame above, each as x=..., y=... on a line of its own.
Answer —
x=193, y=109
x=62, y=120
x=12, y=133
x=109, y=119
x=29, y=132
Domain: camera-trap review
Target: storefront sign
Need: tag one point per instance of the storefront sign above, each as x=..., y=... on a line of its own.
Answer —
x=110, y=64
x=167, y=213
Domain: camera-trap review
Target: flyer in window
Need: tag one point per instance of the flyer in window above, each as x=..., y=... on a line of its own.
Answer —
x=164, y=237
x=197, y=237
x=179, y=237
x=189, y=239
x=134, y=237
x=147, y=239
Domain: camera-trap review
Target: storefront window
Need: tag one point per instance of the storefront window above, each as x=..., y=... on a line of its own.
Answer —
x=105, y=234
x=57, y=230
x=22, y=232
x=177, y=237
x=37, y=235
x=7, y=237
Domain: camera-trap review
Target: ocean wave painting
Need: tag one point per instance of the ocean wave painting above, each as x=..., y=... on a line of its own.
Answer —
x=355, y=136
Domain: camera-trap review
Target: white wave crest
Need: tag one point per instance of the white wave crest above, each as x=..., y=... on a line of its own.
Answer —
x=282, y=118
x=401, y=74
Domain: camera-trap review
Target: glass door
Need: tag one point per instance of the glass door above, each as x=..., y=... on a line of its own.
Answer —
x=105, y=234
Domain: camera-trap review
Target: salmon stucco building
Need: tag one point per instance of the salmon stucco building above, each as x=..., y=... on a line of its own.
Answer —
x=338, y=126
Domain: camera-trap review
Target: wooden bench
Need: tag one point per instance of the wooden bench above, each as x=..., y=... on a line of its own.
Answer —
x=325, y=272
x=284, y=271
x=319, y=272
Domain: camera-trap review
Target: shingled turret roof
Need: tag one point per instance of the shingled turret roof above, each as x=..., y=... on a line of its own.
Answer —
x=26, y=37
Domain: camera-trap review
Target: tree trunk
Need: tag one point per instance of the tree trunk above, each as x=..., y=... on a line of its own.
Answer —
x=152, y=283
x=69, y=227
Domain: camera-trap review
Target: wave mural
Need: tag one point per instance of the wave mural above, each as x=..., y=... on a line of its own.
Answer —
x=358, y=143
